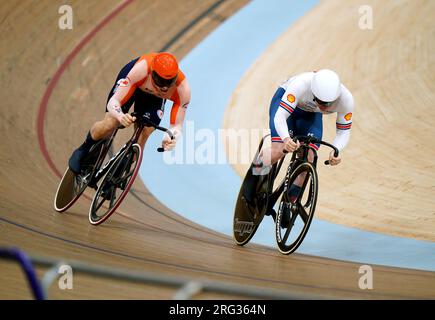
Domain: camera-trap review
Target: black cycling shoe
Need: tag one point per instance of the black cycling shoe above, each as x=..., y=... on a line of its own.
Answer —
x=290, y=208
x=107, y=191
x=74, y=162
x=285, y=217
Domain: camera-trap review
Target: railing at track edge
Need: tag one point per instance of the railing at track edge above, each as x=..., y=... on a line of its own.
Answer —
x=188, y=287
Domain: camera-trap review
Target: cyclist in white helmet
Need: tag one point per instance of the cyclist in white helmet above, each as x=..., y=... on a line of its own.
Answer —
x=297, y=109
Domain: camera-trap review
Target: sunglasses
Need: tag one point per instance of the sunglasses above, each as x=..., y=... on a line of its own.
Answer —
x=162, y=82
x=323, y=103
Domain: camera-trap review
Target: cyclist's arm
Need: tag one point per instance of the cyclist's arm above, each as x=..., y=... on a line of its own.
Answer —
x=181, y=100
x=126, y=88
x=280, y=122
x=343, y=123
x=287, y=105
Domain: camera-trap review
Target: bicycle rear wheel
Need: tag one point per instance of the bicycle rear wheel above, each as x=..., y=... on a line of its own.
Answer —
x=72, y=185
x=299, y=212
x=115, y=185
x=249, y=211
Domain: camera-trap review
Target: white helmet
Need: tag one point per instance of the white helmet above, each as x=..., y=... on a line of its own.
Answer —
x=326, y=85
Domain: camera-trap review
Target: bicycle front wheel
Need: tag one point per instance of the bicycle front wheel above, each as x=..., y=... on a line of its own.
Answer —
x=115, y=185
x=295, y=215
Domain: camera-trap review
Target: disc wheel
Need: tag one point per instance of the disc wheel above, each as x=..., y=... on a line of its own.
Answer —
x=250, y=210
x=72, y=185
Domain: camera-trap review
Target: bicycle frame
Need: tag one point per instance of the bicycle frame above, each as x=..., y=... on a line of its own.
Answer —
x=298, y=157
x=101, y=172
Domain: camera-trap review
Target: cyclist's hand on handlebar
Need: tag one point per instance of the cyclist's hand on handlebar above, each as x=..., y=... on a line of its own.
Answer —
x=333, y=161
x=126, y=119
x=167, y=143
x=290, y=145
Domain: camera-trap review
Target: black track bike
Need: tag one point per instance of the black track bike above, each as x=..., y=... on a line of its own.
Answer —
x=258, y=196
x=119, y=173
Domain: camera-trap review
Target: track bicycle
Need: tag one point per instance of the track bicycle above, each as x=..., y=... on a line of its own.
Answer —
x=119, y=173
x=257, y=197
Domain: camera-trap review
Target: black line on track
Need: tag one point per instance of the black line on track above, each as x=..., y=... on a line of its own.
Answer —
x=191, y=24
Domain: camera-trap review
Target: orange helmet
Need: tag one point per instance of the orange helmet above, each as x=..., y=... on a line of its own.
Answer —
x=164, y=68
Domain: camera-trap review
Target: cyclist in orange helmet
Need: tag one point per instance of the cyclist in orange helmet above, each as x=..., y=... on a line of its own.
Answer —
x=147, y=82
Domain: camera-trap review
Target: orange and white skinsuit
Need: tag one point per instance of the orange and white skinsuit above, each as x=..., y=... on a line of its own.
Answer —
x=139, y=78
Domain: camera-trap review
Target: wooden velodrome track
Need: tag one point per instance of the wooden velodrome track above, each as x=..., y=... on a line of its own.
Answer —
x=54, y=87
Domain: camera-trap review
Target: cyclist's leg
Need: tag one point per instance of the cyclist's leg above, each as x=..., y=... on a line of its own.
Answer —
x=104, y=128
x=309, y=124
x=292, y=122
x=98, y=131
x=144, y=136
